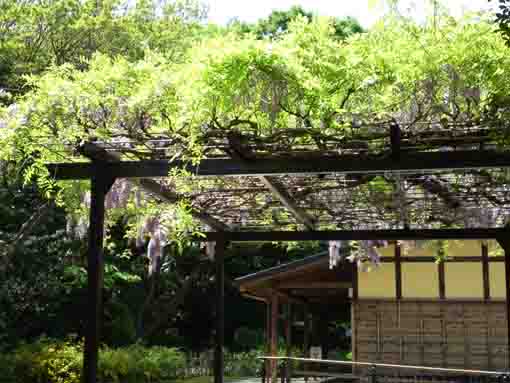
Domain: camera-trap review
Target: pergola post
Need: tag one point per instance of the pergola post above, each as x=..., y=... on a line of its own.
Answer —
x=100, y=184
x=267, y=363
x=220, y=311
x=274, y=335
x=288, y=339
x=306, y=335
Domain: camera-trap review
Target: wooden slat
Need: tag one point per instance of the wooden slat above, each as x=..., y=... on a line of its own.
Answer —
x=433, y=333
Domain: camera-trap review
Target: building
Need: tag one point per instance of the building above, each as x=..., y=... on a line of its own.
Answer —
x=409, y=310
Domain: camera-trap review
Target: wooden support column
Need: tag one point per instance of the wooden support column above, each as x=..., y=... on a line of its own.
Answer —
x=441, y=278
x=100, y=184
x=220, y=311
x=267, y=363
x=504, y=242
x=274, y=335
x=306, y=337
x=485, y=272
x=398, y=271
x=288, y=339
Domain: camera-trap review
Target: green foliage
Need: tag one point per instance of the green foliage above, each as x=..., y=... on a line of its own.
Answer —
x=305, y=80
x=52, y=361
x=278, y=22
x=246, y=338
x=34, y=34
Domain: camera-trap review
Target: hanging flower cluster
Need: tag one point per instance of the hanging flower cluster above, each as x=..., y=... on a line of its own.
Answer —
x=335, y=252
x=364, y=253
x=158, y=238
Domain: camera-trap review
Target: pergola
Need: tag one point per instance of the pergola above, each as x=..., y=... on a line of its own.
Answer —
x=378, y=181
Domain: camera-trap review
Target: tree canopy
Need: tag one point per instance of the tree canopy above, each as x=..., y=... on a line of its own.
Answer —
x=307, y=86
x=149, y=80
x=278, y=23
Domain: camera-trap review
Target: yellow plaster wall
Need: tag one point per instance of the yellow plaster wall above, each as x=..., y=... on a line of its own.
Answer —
x=463, y=280
x=497, y=279
x=377, y=283
x=455, y=249
x=420, y=280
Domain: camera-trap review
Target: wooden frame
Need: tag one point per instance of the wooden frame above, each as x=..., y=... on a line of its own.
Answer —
x=102, y=174
x=409, y=162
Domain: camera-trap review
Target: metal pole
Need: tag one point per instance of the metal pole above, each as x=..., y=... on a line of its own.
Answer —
x=220, y=312
x=95, y=265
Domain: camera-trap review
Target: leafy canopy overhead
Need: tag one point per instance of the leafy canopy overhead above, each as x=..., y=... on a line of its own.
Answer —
x=307, y=84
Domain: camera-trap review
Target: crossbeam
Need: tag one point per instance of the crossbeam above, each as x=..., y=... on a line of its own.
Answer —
x=355, y=235
x=347, y=164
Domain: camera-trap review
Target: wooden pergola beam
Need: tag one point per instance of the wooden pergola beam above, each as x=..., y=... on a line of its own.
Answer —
x=278, y=190
x=355, y=235
x=162, y=192
x=240, y=152
x=344, y=164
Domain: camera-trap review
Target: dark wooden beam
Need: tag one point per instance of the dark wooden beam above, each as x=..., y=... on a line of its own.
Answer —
x=441, y=279
x=356, y=164
x=398, y=271
x=279, y=191
x=220, y=312
x=485, y=272
x=241, y=152
x=100, y=184
x=314, y=285
x=331, y=235
x=161, y=192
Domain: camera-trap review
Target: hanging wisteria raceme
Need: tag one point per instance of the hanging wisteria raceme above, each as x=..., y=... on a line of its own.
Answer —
x=158, y=238
x=335, y=252
x=366, y=254
x=119, y=194
x=210, y=250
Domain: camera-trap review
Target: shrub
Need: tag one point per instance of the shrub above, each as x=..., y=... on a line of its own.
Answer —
x=51, y=361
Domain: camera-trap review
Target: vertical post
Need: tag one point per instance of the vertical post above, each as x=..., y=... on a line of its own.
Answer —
x=220, y=311
x=288, y=338
x=485, y=272
x=398, y=271
x=441, y=279
x=306, y=336
x=100, y=184
x=274, y=335
x=267, y=363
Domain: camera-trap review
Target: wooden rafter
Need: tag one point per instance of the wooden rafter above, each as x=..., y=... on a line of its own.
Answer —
x=152, y=187
x=240, y=152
